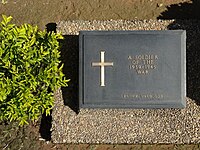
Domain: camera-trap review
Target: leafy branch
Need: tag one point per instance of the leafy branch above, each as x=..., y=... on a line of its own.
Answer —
x=30, y=71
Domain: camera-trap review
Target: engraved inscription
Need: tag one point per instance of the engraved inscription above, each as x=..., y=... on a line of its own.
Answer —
x=142, y=96
x=142, y=64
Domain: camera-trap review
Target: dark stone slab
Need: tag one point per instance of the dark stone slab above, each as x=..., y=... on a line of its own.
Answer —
x=138, y=69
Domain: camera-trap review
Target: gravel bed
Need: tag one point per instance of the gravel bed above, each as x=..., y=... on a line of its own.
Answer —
x=127, y=125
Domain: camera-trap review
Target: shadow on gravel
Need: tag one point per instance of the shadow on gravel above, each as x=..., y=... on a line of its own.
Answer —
x=187, y=17
x=70, y=58
x=182, y=11
x=192, y=28
x=45, y=127
x=46, y=121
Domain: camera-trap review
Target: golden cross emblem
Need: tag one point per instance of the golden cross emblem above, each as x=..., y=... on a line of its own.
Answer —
x=102, y=64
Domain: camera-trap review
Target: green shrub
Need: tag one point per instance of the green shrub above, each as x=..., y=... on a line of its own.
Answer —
x=30, y=71
x=3, y=1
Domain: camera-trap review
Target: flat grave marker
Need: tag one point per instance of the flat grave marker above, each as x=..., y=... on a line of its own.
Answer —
x=132, y=69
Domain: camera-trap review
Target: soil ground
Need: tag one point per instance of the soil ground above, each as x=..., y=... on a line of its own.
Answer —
x=43, y=12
